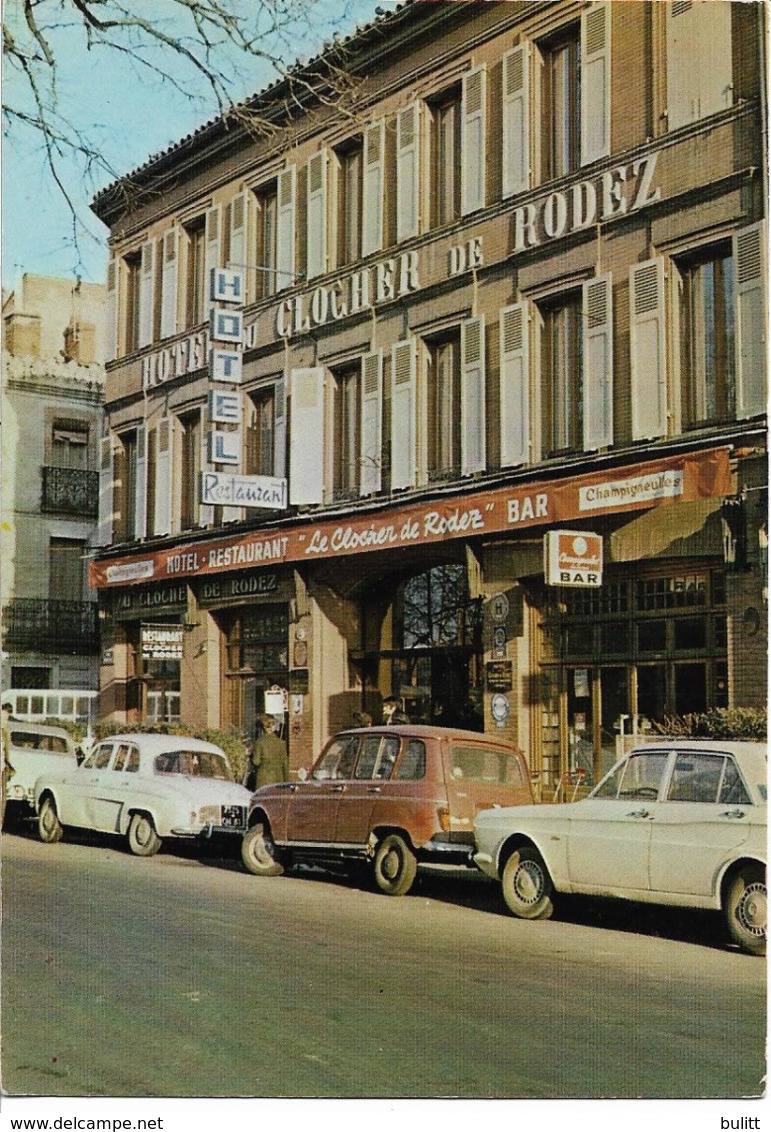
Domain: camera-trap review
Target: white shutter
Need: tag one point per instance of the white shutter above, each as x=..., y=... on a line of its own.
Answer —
x=169, y=283
x=370, y=480
x=515, y=384
x=595, y=83
x=515, y=125
x=212, y=251
x=146, y=293
x=407, y=172
x=598, y=362
x=279, y=428
x=106, y=491
x=111, y=311
x=647, y=347
x=164, y=451
x=205, y=510
x=306, y=440
x=472, y=396
x=473, y=127
x=140, y=485
x=403, y=414
x=750, y=320
x=285, y=225
x=317, y=214
x=372, y=189
x=238, y=226
x=699, y=60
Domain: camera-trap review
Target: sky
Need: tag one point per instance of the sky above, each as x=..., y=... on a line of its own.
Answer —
x=130, y=115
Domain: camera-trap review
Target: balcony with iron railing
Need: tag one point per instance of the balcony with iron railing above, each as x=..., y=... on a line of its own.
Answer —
x=71, y=491
x=49, y=625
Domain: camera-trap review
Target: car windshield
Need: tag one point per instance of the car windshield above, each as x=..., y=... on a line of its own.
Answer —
x=194, y=764
x=33, y=741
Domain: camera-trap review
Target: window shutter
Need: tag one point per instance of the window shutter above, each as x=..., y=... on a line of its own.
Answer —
x=750, y=320
x=403, y=414
x=140, y=487
x=279, y=428
x=370, y=480
x=111, y=311
x=595, y=83
x=317, y=214
x=647, y=346
x=598, y=363
x=515, y=385
x=205, y=510
x=169, y=284
x=106, y=491
x=306, y=440
x=239, y=207
x=164, y=447
x=213, y=248
x=516, y=120
x=372, y=189
x=472, y=396
x=285, y=261
x=699, y=60
x=473, y=126
x=408, y=172
x=146, y=293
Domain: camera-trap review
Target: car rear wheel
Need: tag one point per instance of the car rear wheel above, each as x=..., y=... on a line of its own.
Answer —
x=142, y=838
x=259, y=853
x=746, y=909
x=395, y=866
x=48, y=824
x=527, y=886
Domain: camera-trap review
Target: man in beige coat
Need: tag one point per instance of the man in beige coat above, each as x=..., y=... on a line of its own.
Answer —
x=270, y=759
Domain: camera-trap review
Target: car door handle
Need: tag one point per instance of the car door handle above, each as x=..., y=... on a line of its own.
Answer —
x=732, y=814
x=336, y=789
x=374, y=790
x=639, y=814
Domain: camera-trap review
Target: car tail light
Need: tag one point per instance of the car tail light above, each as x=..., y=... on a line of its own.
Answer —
x=443, y=814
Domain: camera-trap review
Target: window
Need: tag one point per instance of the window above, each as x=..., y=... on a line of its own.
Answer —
x=126, y=485
x=444, y=408
x=66, y=569
x=708, y=377
x=267, y=229
x=412, y=764
x=133, y=276
x=69, y=444
x=346, y=402
x=192, y=441
x=349, y=223
x=259, y=425
x=445, y=157
x=562, y=370
x=196, y=268
x=338, y=760
x=561, y=105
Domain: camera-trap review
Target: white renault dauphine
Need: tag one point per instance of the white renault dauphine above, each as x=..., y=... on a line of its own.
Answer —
x=677, y=822
x=146, y=788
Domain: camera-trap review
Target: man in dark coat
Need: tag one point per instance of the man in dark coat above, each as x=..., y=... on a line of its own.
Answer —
x=270, y=759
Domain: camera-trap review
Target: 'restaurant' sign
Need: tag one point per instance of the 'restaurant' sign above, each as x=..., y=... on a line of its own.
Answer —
x=161, y=642
x=572, y=558
x=695, y=475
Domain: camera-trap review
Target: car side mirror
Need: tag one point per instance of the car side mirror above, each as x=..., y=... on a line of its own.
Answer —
x=302, y=773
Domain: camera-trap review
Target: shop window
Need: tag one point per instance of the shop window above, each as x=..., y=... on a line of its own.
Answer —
x=346, y=401
x=614, y=638
x=671, y=592
x=349, y=202
x=707, y=359
x=259, y=428
x=256, y=641
x=267, y=235
x=561, y=102
x=652, y=636
x=443, y=395
x=690, y=633
x=445, y=155
x=133, y=269
x=562, y=374
x=31, y=677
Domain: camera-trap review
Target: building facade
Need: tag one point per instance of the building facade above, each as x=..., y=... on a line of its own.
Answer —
x=52, y=396
x=368, y=366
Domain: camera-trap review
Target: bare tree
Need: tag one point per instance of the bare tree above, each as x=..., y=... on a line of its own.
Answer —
x=204, y=50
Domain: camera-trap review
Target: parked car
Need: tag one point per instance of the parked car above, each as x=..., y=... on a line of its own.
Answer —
x=34, y=749
x=390, y=797
x=680, y=822
x=146, y=788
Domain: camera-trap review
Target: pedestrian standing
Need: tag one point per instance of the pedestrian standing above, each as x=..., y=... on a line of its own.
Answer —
x=270, y=758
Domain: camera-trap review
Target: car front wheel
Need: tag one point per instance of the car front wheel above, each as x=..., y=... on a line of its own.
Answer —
x=259, y=853
x=527, y=886
x=746, y=909
x=48, y=824
x=395, y=866
x=142, y=838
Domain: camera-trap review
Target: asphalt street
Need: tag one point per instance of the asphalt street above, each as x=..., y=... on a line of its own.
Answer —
x=184, y=976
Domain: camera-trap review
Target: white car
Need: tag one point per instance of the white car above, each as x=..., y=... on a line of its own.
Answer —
x=681, y=822
x=146, y=788
x=35, y=749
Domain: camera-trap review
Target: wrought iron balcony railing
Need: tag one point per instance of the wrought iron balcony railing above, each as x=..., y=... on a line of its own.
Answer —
x=71, y=491
x=48, y=625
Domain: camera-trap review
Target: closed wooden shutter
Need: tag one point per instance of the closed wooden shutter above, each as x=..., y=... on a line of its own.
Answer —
x=472, y=396
x=285, y=228
x=403, y=414
x=749, y=246
x=279, y=428
x=372, y=189
x=239, y=216
x=473, y=126
x=317, y=214
x=408, y=172
x=169, y=275
x=146, y=293
x=595, y=83
x=647, y=347
x=140, y=484
x=164, y=451
x=111, y=310
x=370, y=480
x=515, y=109
x=514, y=330
x=106, y=491
x=213, y=249
x=699, y=60
x=598, y=362
x=306, y=441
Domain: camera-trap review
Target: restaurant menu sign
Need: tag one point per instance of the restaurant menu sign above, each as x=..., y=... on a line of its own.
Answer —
x=636, y=487
x=161, y=642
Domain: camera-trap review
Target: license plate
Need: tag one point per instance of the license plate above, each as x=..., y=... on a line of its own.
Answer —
x=233, y=817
